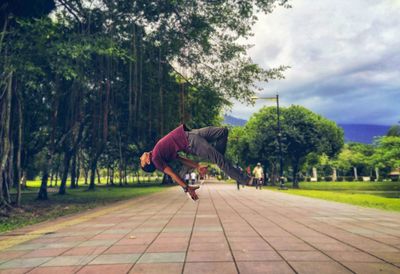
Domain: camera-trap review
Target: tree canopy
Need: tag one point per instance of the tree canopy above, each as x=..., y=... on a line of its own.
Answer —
x=303, y=132
x=89, y=84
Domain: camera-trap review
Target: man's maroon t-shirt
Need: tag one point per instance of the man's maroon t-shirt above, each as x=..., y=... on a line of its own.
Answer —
x=167, y=148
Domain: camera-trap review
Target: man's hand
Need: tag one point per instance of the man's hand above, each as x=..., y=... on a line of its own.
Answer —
x=192, y=192
x=202, y=170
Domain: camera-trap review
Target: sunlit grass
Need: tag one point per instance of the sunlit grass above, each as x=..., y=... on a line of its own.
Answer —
x=382, y=195
x=366, y=200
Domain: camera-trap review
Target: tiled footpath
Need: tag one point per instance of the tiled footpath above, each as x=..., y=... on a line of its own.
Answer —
x=227, y=231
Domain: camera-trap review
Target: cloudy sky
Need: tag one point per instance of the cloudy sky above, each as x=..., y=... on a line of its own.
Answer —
x=344, y=58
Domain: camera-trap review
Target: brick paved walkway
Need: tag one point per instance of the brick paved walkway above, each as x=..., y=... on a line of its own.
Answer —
x=227, y=231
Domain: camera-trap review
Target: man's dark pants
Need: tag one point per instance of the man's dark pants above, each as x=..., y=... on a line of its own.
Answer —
x=209, y=143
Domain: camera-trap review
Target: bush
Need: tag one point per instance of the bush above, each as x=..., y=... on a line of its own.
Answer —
x=349, y=178
x=328, y=179
x=308, y=179
x=340, y=179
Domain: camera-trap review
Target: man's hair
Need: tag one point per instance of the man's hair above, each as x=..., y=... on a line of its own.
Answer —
x=149, y=167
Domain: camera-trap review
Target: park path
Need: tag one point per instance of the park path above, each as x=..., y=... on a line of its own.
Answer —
x=227, y=231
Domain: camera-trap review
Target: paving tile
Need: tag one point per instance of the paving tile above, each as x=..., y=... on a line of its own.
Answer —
x=148, y=229
x=86, y=250
x=107, y=237
x=117, y=231
x=51, y=252
x=15, y=270
x=170, y=268
x=312, y=235
x=55, y=269
x=208, y=228
x=104, y=268
x=62, y=244
x=209, y=256
x=174, y=235
x=203, y=240
x=314, y=256
x=177, y=229
x=170, y=257
x=171, y=247
x=319, y=267
x=264, y=268
x=70, y=260
x=182, y=240
x=210, y=268
x=116, y=259
x=256, y=255
x=121, y=249
x=97, y=243
x=372, y=268
x=334, y=247
x=136, y=239
x=27, y=246
x=352, y=256
x=8, y=255
x=27, y=262
x=261, y=245
x=208, y=246
x=393, y=257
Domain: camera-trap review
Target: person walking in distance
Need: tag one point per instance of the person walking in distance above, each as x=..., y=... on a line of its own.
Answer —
x=258, y=173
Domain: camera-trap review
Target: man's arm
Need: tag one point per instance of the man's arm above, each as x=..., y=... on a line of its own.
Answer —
x=169, y=171
x=188, y=162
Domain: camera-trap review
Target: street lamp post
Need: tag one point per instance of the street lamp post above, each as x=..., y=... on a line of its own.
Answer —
x=279, y=137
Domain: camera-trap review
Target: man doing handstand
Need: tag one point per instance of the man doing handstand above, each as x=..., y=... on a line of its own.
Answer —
x=208, y=143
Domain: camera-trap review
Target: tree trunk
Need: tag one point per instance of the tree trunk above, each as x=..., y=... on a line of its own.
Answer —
x=98, y=176
x=56, y=181
x=315, y=174
x=377, y=174
x=42, y=195
x=20, y=130
x=5, y=143
x=73, y=172
x=112, y=176
x=67, y=160
x=295, y=167
x=78, y=171
x=334, y=174
x=355, y=173
x=23, y=179
x=93, y=167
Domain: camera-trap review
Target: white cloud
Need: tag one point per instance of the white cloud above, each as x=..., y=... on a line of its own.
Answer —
x=348, y=50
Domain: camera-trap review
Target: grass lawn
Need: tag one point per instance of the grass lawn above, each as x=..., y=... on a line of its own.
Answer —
x=382, y=195
x=76, y=200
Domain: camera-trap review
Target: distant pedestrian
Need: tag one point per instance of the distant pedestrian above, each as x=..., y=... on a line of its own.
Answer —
x=193, y=177
x=258, y=173
x=187, y=178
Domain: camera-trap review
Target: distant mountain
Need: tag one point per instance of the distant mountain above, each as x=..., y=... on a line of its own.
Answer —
x=363, y=133
x=352, y=132
x=233, y=121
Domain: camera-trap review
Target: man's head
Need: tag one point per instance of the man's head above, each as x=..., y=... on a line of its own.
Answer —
x=145, y=162
x=258, y=164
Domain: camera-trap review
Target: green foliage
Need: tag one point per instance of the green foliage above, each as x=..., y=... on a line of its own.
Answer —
x=387, y=153
x=394, y=131
x=303, y=133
